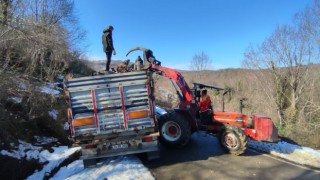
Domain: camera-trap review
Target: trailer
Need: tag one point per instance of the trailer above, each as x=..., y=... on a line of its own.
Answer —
x=112, y=114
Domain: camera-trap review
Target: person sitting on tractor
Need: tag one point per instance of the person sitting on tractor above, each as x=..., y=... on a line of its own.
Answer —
x=204, y=104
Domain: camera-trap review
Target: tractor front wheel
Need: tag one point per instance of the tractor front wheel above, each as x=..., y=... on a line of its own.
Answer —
x=233, y=140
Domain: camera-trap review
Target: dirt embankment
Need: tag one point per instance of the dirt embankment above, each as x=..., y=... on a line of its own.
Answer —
x=29, y=108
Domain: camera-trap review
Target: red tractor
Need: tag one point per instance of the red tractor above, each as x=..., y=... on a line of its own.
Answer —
x=232, y=128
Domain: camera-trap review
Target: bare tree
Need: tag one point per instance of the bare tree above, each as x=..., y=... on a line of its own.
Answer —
x=200, y=62
x=286, y=56
x=41, y=35
x=309, y=21
x=5, y=10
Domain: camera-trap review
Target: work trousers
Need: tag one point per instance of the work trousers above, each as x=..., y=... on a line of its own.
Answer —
x=108, y=54
x=206, y=117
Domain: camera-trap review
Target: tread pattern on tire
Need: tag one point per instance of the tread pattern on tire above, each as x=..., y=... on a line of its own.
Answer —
x=243, y=140
x=184, y=126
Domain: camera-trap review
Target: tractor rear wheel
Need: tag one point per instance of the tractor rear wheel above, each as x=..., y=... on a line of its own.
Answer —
x=174, y=130
x=233, y=140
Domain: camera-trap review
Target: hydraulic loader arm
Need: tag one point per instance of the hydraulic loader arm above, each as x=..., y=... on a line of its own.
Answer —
x=177, y=78
x=172, y=74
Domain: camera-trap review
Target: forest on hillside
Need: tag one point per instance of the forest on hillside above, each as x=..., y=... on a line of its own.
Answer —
x=258, y=95
x=40, y=41
x=280, y=77
x=40, y=38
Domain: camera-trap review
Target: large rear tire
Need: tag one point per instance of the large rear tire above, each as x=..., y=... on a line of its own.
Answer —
x=233, y=140
x=174, y=130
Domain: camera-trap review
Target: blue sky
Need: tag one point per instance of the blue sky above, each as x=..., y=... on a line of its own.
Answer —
x=178, y=29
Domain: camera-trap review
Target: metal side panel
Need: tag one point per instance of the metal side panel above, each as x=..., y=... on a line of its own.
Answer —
x=119, y=75
x=106, y=81
x=109, y=109
x=136, y=98
x=113, y=112
x=82, y=107
x=109, y=99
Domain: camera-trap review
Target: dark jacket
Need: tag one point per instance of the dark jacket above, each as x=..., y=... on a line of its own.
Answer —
x=107, y=41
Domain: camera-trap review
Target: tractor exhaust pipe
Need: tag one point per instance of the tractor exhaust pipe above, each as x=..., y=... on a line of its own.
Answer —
x=223, y=100
x=241, y=104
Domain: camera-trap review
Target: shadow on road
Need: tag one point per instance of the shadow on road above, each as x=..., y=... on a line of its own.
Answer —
x=203, y=158
x=201, y=147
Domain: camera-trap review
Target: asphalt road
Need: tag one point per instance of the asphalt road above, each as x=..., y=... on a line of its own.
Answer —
x=203, y=158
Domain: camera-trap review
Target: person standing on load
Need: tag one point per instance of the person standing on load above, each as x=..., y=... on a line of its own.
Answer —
x=107, y=42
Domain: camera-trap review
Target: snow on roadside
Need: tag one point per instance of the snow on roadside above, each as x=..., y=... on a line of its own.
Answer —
x=27, y=151
x=116, y=168
x=130, y=167
x=294, y=153
x=24, y=150
x=54, y=160
x=69, y=170
x=122, y=167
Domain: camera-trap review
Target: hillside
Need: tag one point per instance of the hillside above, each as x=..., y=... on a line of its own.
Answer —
x=30, y=110
x=257, y=92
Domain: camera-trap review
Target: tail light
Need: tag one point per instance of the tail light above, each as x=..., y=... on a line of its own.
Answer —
x=84, y=121
x=149, y=138
x=90, y=146
x=138, y=114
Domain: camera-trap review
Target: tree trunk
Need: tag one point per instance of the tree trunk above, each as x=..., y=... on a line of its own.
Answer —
x=5, y=9
x=281, y=117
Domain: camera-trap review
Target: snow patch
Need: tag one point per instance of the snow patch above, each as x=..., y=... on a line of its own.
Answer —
x=294, y=153
x=54, y=114
x=54, y=160
x=16, y=100
x=24, y=150
x=67, y=171
x=42, y=140
x=54, y=85
x=60, y=78
x=116, y=168
x=49, y=90
x=160, y=110
x=23, y=86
